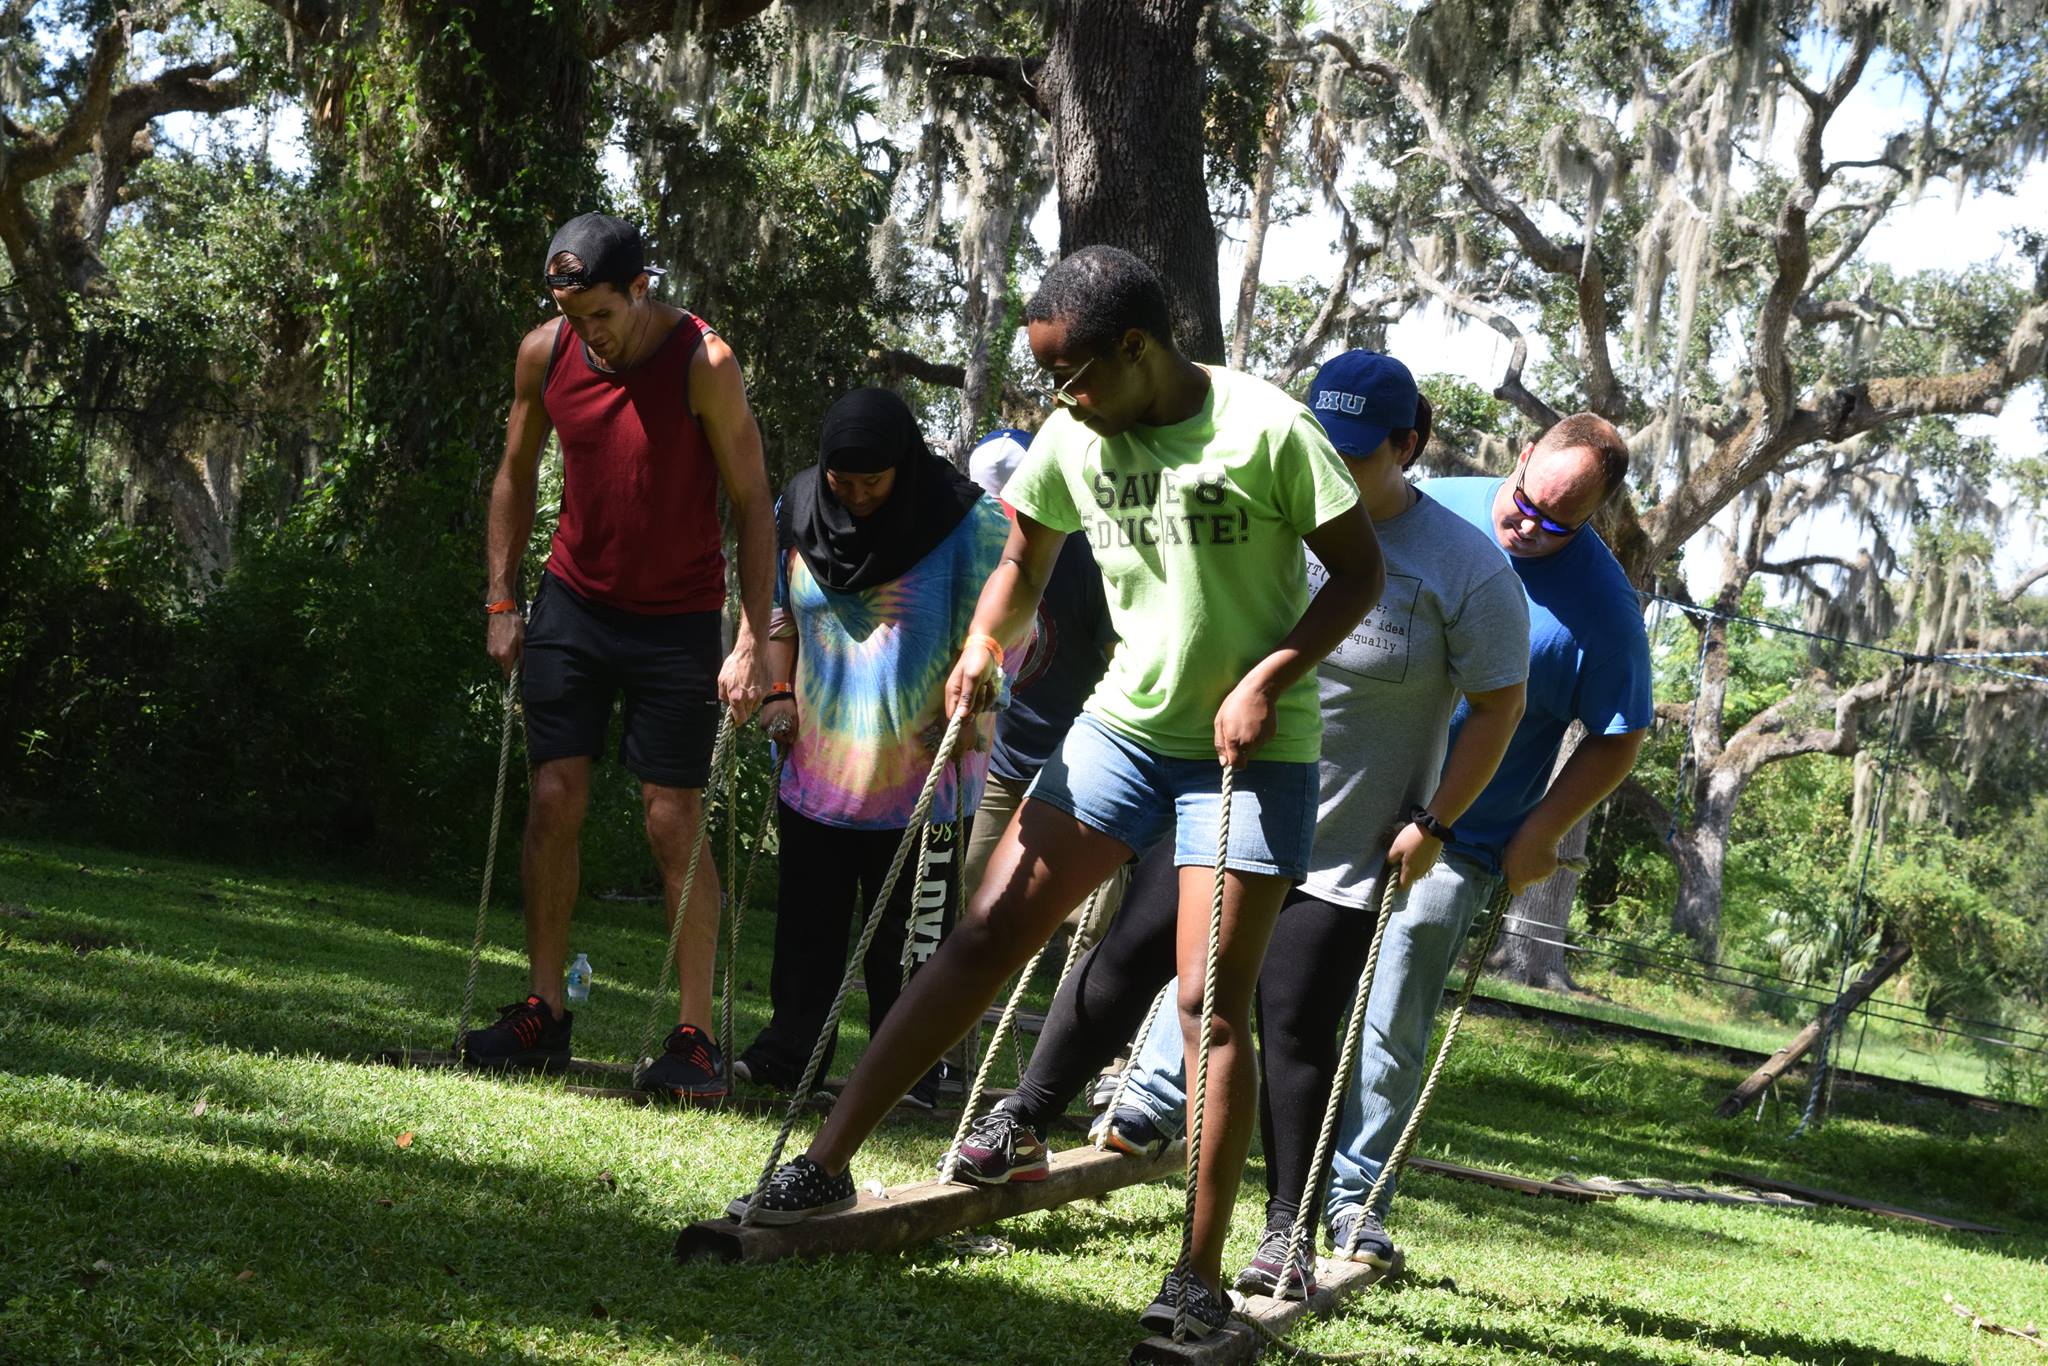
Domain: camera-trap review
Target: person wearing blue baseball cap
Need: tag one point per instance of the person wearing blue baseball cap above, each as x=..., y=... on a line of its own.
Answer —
x=1452, y=621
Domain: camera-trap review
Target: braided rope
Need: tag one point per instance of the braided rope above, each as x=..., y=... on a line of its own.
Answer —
x=1200, y=1099
x=483, y=900
x=738, y=908
x=920, y=816
x=721, y=760
x=1498, y=912
x=1003, y=1026
x=1340, y=1083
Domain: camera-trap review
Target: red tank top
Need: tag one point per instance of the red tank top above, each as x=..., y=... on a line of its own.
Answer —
x=639, y=527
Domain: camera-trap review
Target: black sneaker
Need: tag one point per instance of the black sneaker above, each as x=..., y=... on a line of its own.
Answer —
x=689, y=1067
x=1206, y=1313
x=925, y=1095
x=1000, y=1149
x=1268, y=1273
x=1128, y=1130
x=756, y=1070
x=798, y=1190
x=527, y=1037
x=1358, y=1236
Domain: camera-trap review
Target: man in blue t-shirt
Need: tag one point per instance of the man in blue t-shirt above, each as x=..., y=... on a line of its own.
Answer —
x=1589, y=661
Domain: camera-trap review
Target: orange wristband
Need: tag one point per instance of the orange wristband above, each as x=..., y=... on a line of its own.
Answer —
x=500, y=607
x=789, y=688
x=989, y=643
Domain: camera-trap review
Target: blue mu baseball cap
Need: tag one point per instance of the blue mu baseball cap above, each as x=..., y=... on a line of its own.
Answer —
x=1359, y=397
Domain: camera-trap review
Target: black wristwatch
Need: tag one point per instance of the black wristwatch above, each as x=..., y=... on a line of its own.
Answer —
x=1431, y=826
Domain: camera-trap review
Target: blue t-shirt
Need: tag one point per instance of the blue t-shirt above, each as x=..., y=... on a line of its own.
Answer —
x=1589, y=660
x=1061, y=667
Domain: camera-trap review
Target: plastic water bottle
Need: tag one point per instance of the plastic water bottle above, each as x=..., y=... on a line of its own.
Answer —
x=579, y=980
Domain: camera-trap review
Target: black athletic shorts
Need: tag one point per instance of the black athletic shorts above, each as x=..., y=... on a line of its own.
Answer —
x=581, y=654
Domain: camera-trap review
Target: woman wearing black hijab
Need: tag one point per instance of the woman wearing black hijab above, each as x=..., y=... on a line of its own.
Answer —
x=884, y=550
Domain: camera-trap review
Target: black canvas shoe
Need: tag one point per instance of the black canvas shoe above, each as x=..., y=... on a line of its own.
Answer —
x=925, y=1095
x=1357, y=1236
x=755, y=1070
x=798, y=1190
x=526, y=1038
x=1206, y=1313
x=999, y=1149
x=689, y=1067
x=1267, y=1273
x=1128, y=1130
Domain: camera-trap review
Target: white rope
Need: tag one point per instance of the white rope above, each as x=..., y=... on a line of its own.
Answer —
x=1340, y=1083
x=483, y=900
x=738, y=908
x=721, y=759
x=920, y=816
x=1198, y=1102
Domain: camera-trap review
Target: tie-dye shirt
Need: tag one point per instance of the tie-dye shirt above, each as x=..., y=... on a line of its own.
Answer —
x=871, y=671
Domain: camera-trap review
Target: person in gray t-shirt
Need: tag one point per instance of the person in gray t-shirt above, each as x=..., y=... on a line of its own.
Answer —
x=1452, y=621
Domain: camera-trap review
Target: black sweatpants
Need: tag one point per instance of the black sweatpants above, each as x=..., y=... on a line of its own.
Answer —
x=1311, y=971
x=828, y=873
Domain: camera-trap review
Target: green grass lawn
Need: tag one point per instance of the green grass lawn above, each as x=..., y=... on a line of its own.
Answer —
x=283, y=1220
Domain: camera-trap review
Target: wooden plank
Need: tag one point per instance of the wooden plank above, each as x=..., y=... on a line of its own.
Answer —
x=1754, y=1084
x=1241, y=1340
x=1507, y=1181
x=1654, y=1188
x=443, y=1058
x=1827, y=1197
x=905, y=1216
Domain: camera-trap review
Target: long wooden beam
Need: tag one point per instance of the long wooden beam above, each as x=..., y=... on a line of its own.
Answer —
x=1263, y=1319
x=1836, y=1198
x=1508, y=1181
x=905, y=1216
x=1859, y=991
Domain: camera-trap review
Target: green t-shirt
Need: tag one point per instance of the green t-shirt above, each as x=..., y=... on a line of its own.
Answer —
x=1197, y=529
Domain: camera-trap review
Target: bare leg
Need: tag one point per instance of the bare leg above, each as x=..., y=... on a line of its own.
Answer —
x=1044, y=864
x=675, y=820
x=1251, y=903
x=548, y=870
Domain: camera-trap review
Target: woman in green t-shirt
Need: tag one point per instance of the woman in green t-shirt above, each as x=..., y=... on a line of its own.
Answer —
x=1197, y=487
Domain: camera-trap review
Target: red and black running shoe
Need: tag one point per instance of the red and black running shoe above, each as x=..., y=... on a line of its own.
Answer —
x=689, y=1067
x=527, y=1037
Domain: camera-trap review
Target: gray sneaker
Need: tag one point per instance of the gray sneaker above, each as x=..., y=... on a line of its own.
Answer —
x=1268, y=1273
x=1358, y=1236
x=1205, y=1314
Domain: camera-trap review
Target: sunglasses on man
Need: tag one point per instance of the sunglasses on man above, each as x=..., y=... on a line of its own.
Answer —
x=1059, y=395
x=1537, y=514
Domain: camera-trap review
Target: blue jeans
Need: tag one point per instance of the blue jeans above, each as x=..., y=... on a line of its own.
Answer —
x=1424, y=937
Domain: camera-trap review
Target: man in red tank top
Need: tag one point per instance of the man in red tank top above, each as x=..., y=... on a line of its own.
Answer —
x=652, y=416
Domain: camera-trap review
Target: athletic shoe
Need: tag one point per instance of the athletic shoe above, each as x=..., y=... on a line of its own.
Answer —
x=1206, y=1313
x=1000, y=1149
x=798, y=1190
x=1103, y=1094
x=925, y=1095
x=1129, y=1131
x=689, y=1067
x=527, y=1037
x=751, y=1067
x=1374, y=1247
x=1263, y=1274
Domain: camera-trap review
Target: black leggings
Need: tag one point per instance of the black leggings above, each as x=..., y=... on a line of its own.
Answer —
x=1310, y=973
x=828, y=871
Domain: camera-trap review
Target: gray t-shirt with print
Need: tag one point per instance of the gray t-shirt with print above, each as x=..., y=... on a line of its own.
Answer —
x=1453, y=619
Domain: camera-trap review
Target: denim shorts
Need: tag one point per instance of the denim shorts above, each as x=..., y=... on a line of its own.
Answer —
x=1119, y=787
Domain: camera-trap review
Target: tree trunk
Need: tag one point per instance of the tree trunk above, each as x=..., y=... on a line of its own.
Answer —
x=1701, y=853
x=1530, y=949
x=1255, y=229
x=1125, y=93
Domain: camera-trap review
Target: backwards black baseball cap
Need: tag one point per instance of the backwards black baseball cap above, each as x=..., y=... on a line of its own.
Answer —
x=609, y=248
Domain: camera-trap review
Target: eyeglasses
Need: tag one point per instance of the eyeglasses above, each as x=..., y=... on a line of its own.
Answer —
x=1541, y=518
x=1060, y=395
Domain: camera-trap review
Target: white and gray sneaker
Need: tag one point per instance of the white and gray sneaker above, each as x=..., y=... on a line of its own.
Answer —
x=1205, y=1313
x=1357, y=1236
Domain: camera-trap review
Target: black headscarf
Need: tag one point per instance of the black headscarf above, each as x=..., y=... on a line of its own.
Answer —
x=868, y=431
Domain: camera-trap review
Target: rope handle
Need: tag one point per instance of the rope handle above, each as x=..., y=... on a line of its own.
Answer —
x=920, y=816
x=483, y=900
